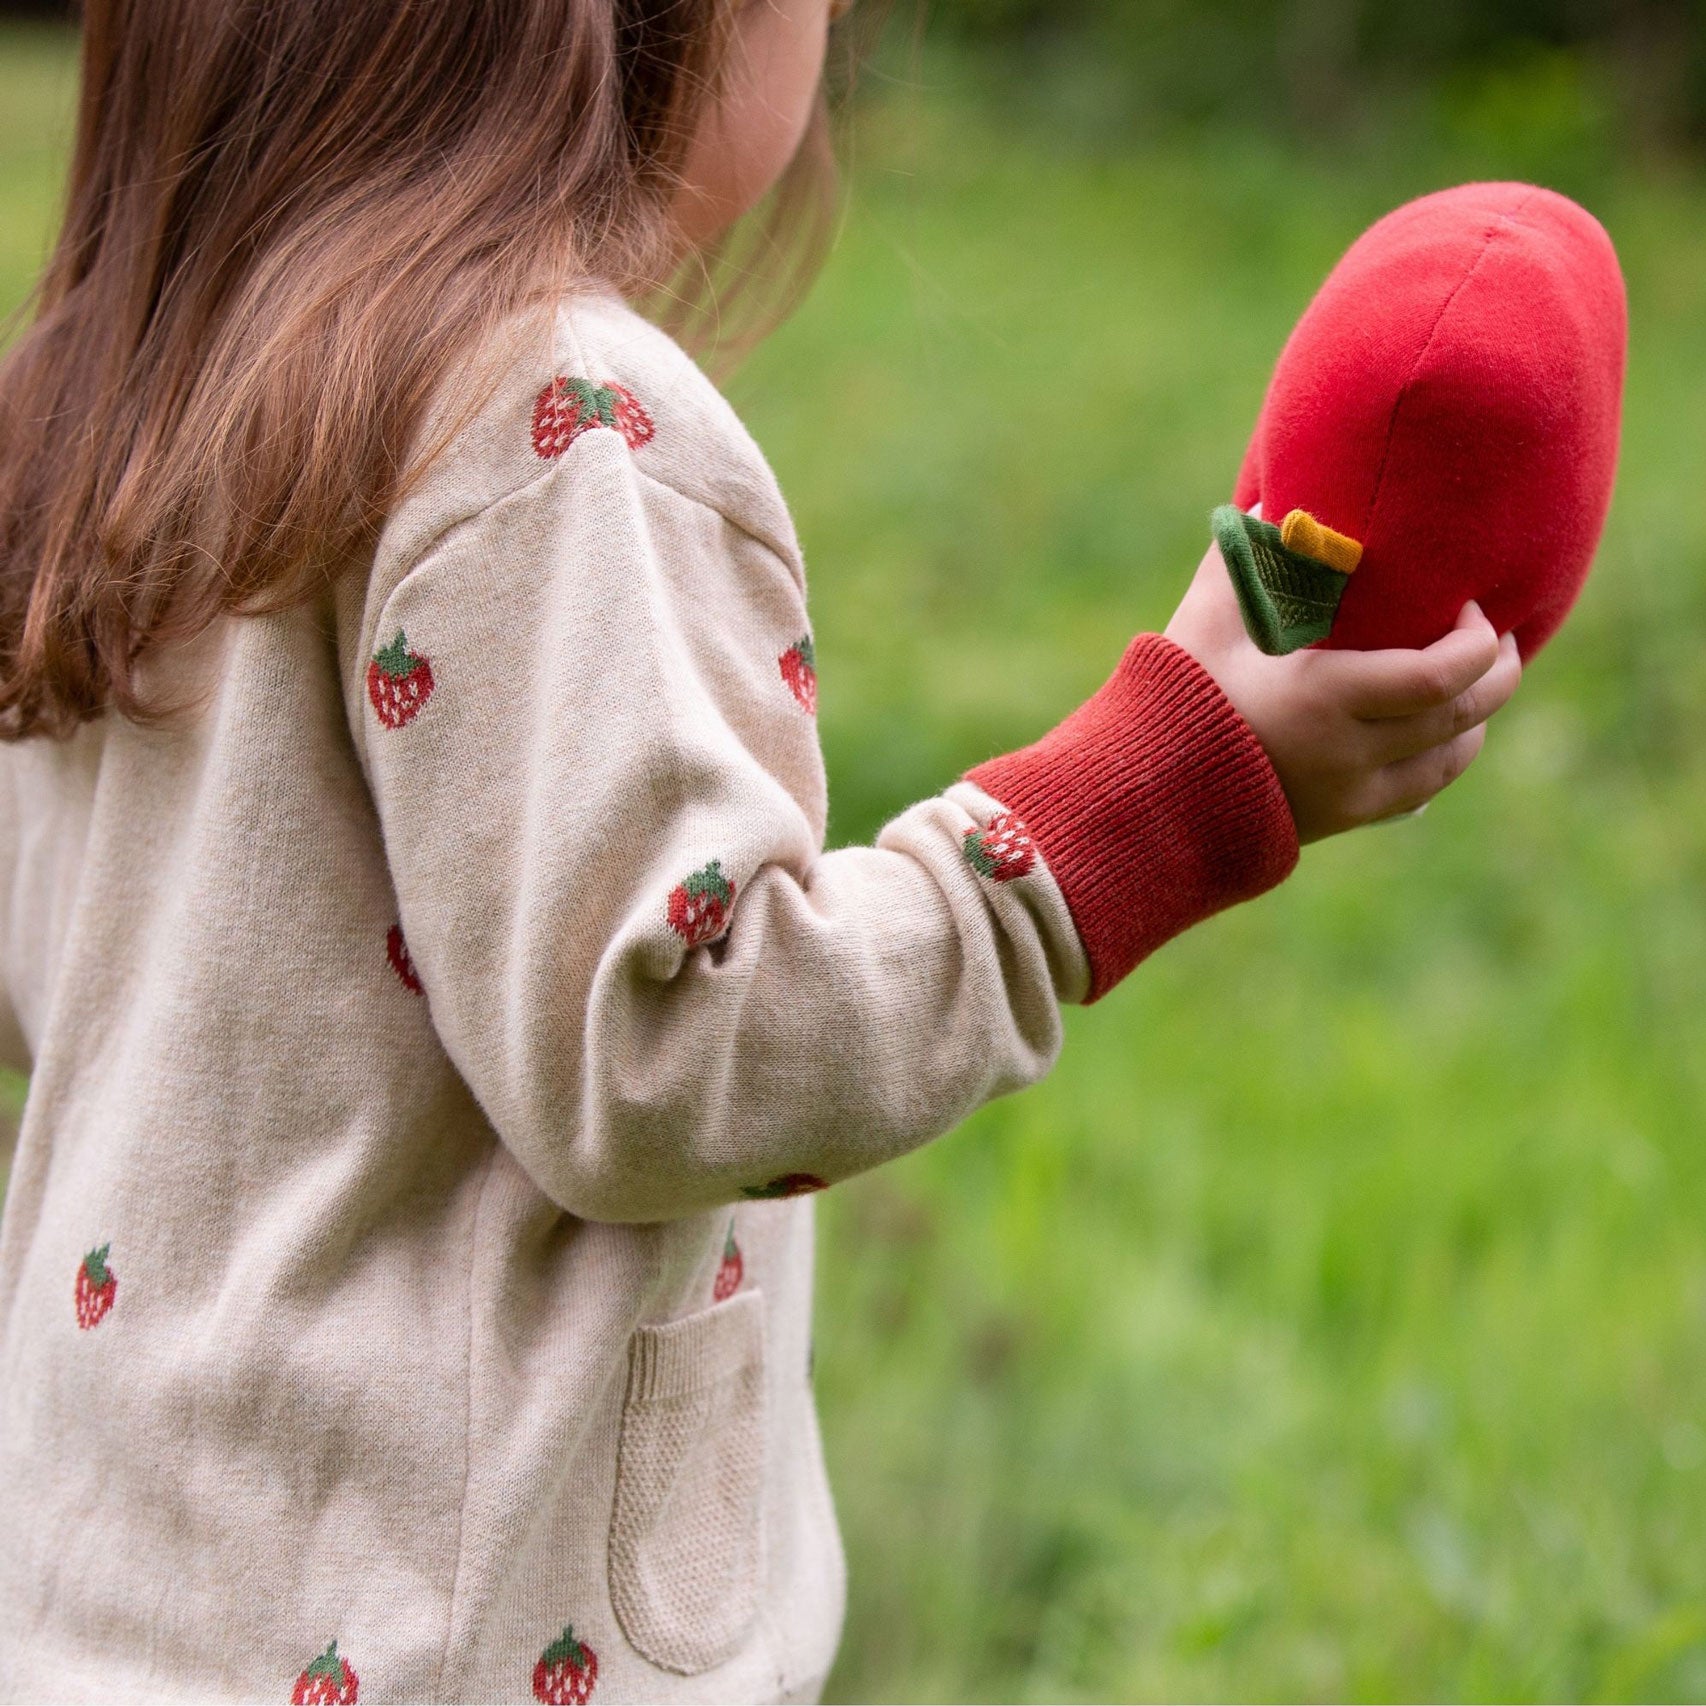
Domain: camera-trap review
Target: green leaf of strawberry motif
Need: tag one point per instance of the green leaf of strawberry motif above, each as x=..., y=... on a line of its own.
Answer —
x=395, y=660
x=566, y=1649
x=712, y=882
x=597, y=402
x=698, y=908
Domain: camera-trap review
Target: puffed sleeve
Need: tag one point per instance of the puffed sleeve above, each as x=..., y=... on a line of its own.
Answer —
x=586, y=713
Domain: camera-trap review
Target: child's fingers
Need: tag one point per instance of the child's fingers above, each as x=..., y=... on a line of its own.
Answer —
x=1397, y=683
x=1397, y=738
x=1412, y=782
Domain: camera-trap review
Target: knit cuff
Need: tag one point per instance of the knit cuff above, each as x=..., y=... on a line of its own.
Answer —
x=1153, y=805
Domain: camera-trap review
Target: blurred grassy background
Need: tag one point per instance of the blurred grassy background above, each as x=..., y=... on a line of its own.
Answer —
x=1331, y=1323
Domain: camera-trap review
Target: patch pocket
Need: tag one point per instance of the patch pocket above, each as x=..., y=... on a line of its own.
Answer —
x=687, y=1531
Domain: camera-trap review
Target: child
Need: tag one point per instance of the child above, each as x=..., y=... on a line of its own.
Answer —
x=415, y=919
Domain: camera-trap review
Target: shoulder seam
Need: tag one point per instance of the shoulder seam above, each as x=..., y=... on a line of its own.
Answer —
x=418, y=557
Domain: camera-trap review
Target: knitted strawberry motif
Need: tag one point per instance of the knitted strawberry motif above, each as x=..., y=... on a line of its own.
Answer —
x=95, y=1288
x=787, y=1185
x=699, y=907
x=329, y=1681
x=566, y=1671
x=397, y=952
x=567, y=408
x=799, y=670
x=399, y=682
x=1003, y=851
x=732, y=1270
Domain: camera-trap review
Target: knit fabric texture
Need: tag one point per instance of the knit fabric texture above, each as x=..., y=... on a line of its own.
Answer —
x=1452, y=399
x=1153, y=805
x=439, y=1040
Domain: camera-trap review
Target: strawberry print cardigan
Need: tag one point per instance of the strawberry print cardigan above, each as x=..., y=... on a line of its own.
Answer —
x=438, y=1038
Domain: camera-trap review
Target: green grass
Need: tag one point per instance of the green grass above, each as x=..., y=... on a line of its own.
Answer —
x=1331, y=1323
x=38, y=81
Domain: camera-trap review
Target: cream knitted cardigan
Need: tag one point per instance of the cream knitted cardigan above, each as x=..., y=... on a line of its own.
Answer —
x=405, y=1276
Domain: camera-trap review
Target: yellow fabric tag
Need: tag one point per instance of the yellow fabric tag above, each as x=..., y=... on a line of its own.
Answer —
x=1302, y=533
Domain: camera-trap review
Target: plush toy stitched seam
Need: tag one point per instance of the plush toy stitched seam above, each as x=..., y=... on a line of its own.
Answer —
x=1505, y=217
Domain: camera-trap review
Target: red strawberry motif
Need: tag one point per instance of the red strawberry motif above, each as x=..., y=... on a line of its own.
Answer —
x=1003, y=851
x=567, y=408
x=329, y=1681
x=799, y=670
x=397, y=952
x=95, y=1288
x=399, y=682
x=566, y=1671
x=732, y=1270
x=699, y=907
x=787, y=1185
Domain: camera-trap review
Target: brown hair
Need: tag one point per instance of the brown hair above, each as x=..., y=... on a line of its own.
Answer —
x=284, y=220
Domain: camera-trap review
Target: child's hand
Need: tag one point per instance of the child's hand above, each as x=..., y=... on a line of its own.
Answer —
x=1354, y=736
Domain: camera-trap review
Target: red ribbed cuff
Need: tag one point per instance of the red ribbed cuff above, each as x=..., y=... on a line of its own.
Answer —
x=1153, y=805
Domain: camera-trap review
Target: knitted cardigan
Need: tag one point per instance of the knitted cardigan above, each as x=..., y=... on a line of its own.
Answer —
x=436, y=1035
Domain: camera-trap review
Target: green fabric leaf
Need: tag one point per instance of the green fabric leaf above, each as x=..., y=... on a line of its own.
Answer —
x=1288, y=600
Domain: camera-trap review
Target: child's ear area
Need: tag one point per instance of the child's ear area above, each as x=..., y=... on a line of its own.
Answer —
x=767, y=87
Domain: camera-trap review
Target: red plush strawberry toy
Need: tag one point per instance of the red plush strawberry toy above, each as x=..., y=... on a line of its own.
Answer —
x=1442, y=425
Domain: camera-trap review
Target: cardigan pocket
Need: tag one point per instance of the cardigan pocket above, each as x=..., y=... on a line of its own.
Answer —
x=687, y=1529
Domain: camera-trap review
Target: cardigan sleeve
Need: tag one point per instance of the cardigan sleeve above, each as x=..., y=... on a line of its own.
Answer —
x=587, y=719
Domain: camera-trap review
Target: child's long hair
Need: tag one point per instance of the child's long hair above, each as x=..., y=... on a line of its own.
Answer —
x=285, y=219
